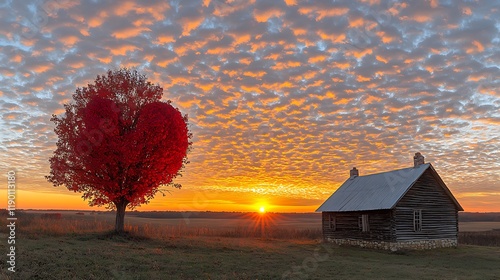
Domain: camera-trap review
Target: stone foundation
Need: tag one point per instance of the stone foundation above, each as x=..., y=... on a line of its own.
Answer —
x=395, y=246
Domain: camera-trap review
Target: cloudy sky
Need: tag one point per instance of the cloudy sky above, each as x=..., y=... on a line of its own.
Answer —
x=283, y=97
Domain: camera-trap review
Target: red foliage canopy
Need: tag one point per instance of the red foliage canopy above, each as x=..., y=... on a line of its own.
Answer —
x=118, y=142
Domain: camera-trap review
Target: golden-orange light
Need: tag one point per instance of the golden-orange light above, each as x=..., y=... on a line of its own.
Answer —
x=261, y=220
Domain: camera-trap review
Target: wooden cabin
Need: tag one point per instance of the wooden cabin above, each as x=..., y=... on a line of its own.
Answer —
x=409, y=208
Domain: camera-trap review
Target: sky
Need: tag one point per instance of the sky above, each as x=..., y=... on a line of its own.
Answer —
x=283, y=97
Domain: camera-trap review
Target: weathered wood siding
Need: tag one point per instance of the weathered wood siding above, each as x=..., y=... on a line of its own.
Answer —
x=347, y=225
x=439, y=213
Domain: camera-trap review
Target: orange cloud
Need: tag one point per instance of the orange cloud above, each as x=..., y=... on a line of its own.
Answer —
x=381, y=59
x=322, y=13
x=317, y=58
x=156, y=11
x=334, y=37
x=40, y=68
x=478, y=47
x=123, y=49
x=16, y=58
x=181, y=50
x=125, y=7
x=386, y=38
x=241, y=39
x=190, y=24
x=252, y=89
x=97, y=20
x=164, y=39
x=70, y=40
x=363, y=79
x=341, y=65
x=130, y=32
x=356, y=22
x=359, y=53
x=257, y=74
x=263, y=16
x=166, y=62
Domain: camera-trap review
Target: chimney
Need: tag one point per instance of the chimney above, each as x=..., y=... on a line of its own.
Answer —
x=418, y=159
x=354, y=172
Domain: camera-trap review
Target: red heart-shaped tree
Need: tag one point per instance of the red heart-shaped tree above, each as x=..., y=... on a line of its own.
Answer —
x=118, y=142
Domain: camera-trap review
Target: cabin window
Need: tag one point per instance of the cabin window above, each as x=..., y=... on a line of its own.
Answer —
x=333, y=223
x=417, y=220
x=363, y=223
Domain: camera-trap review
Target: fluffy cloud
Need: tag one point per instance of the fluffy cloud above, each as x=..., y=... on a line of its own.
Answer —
x=283, y=97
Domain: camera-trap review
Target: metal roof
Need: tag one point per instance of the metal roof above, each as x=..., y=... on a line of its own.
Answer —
x=374, y=192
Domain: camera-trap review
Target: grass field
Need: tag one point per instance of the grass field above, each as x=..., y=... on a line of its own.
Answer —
x=80, y=247
x=216, y=220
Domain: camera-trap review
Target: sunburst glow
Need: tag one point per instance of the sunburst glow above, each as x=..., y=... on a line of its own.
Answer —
x=262, y=209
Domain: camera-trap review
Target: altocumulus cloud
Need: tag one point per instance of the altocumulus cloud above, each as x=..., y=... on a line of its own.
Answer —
x=283, y=96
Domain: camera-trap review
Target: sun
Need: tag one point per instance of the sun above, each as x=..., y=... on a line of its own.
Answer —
x=262, y=209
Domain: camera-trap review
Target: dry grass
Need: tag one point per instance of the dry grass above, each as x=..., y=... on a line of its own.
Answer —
x=82, y=247
x=34, y=225
x=481, y=238
x=155, y=231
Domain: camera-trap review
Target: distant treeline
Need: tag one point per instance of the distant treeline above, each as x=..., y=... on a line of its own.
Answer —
x=478, y=217
x=180, y=215
x=215, y=215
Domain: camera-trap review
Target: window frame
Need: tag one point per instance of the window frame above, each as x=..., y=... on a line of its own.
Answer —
x=417, y=220
x=332, y=222
x=364, y=223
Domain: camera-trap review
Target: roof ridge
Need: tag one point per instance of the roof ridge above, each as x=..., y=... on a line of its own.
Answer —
x=413, y=167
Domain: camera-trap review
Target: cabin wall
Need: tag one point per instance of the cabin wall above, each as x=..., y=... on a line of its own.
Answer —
x=439, y=214
x=347, y=225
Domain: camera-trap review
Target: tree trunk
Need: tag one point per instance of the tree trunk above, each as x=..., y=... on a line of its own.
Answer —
x=120, y=216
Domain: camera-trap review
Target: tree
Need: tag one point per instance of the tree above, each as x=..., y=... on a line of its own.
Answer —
x=118, y=143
